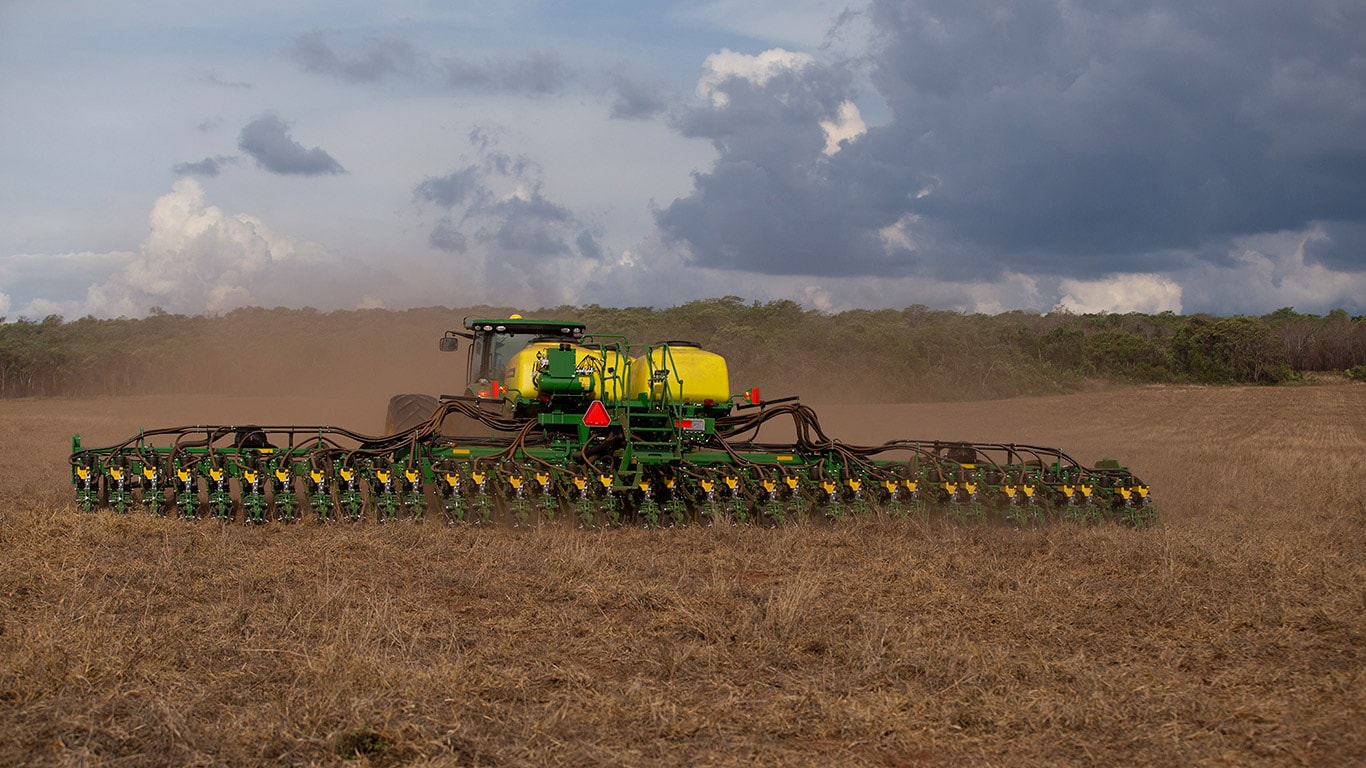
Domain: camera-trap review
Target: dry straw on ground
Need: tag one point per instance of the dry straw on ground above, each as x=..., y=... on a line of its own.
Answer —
x=1234, y=634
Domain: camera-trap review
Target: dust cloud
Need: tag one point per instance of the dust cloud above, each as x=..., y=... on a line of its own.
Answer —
x=306, y=368
x=302, y=367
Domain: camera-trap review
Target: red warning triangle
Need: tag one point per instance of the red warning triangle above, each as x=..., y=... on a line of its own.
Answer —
x=597, y=415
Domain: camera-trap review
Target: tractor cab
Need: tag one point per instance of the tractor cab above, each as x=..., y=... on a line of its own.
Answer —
x=494, y=341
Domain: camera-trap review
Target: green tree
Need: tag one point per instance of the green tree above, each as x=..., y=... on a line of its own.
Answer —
x=1125, y=356
x=1230, y=350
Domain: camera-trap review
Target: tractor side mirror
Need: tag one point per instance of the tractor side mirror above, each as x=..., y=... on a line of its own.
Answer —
x=450, y=343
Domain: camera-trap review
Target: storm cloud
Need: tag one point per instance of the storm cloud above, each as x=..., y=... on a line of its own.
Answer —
x=266, y=139
x=1338, y=245
x=771, y=203
x=980, y=157
x=1070, y=139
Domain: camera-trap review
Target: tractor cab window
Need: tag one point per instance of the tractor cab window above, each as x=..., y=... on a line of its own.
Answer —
x=492, y=351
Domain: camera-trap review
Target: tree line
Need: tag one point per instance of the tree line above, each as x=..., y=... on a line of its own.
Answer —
x=911, y=354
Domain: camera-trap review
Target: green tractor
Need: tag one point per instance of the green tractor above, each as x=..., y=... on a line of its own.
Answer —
x=494, y=343
x=559, y=423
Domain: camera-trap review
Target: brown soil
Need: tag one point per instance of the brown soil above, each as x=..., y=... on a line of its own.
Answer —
x=1233, y=634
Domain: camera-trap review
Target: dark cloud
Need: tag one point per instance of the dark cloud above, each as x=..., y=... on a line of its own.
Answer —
x=524, y=237
x=1067, y=139
x=446, y=237
x=588, y=246
x=533, y=207
x=1341, y=247
x=634, y=99
x=452, y=189
x=208, y=167
x=381, y=58
x=528, y=225
x=770, y=203
x=266, y=139
x=518, y=227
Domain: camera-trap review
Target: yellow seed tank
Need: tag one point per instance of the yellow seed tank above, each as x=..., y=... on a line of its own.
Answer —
x=608, y=373
x=687, y=372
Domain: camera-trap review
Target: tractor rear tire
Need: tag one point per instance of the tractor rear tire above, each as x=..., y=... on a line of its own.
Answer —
x=408, y=411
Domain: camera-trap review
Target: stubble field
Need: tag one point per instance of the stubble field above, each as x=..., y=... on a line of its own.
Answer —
x=1233, y=634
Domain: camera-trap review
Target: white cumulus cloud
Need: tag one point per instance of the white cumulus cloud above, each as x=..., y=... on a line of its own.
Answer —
x=196, y=259
x=725, y=64
x=1121, y=293
x=1274, y=270
x=849, y=125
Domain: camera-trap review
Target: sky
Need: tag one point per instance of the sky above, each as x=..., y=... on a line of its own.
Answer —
x=977, y=156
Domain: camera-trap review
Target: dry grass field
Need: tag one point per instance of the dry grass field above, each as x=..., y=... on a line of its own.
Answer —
x=1233, y=634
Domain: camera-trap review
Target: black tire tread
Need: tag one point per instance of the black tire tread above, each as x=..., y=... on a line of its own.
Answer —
x=408, y=411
